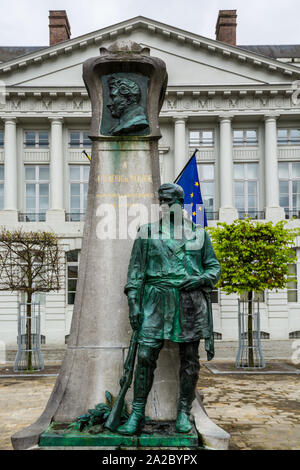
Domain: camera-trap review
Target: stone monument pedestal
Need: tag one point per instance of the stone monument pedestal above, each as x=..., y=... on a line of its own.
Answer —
x=123, y=184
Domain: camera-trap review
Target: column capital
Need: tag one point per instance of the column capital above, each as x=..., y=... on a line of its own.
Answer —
x=225, y=117
x=56, y=120
x=8, y=119
x=180, y=118
x=271, y=117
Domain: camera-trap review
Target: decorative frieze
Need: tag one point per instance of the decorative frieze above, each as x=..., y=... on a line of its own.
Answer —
x=190, y=102
x=241, y=102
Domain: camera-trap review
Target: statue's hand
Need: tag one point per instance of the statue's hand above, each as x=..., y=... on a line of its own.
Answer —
x=191, y=284
x=134, y=314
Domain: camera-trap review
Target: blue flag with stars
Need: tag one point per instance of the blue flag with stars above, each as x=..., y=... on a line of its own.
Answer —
x=193, y=202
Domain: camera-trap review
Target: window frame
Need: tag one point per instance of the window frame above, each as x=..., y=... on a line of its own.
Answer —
x=202, y=181
x=288, y=142
x=75, y=264
x=245, y=181
x=81, y=144
x=81, y=183
x=2, y=139
x=245, y=142
x=297, y=277
x=200, y=142
x=37, y=141
x=290, y=181
x=37, y=182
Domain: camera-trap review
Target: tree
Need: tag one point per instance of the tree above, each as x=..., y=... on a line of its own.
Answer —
x=254, y=256
x=30, y=262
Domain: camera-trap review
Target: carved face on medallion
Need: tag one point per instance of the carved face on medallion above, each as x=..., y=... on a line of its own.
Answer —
x=125, y=105
x=123, y=93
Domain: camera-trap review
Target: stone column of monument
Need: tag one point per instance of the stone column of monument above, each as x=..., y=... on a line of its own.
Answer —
x=124, y=172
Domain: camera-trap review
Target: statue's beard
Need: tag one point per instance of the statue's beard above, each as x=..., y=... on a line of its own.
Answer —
x=118, y=109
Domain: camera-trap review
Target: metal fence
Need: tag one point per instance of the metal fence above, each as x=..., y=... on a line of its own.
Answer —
x=255, y=215
x=29, y=356
x=32, y=217
x=295, y=214
x=250, y=353
x=75, y=217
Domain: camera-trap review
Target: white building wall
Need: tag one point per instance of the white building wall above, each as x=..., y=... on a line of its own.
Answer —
x=205, y=86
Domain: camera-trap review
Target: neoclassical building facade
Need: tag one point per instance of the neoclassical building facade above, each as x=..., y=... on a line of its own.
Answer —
x=237, y=105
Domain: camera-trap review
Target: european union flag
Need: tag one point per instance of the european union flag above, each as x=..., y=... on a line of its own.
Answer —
x=193, y=202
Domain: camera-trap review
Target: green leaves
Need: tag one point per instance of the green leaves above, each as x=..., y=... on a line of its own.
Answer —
x=254, y=256
x=97, y=416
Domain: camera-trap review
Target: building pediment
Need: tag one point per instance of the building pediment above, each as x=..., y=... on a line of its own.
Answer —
x=192, y=60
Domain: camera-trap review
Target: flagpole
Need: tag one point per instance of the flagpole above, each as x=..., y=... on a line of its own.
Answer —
x=197, y=150
x=87, y=155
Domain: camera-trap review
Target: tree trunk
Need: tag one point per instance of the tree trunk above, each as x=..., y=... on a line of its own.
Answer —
x=28, y=331
x=250, y=330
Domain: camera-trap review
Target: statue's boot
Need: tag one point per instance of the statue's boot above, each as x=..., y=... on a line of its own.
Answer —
x=183, y=423
x=189, y=373
x=136, y=420
x=143, y=380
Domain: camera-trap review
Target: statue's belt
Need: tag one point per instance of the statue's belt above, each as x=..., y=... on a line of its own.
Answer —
x=165, y=282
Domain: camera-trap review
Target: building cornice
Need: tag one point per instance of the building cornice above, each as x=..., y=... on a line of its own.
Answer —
x=180, y=91
x=154, y=27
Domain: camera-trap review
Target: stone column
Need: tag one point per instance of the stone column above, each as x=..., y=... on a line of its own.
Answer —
x=180, y=157
x=273, y=211
x=56, y=211
x=227, y=211
x=10, y=171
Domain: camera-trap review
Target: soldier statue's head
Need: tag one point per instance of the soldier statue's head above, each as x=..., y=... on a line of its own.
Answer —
x=170, y=194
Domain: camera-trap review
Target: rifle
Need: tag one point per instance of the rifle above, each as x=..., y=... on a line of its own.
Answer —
x=114, y=419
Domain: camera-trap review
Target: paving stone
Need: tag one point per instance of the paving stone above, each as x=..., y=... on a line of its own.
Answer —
x=265, y=412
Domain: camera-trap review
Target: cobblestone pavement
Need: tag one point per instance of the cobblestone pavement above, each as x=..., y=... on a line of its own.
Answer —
x=260, y=412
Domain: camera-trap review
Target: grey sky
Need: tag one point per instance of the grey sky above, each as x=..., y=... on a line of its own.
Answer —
x=25, y=22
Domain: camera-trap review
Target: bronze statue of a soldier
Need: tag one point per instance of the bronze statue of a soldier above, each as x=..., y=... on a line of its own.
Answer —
x=170, y=279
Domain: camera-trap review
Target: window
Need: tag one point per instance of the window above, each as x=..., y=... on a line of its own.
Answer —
x=246, y=189
x=79, y=178
x=1, y=139
x=217, y=336
x=206, y=172
x=244, y=137
x=37, y=297
x=289, y=188
x=1, y=187
x=72, y=274
x=36, y=192
x=79, y=139
x=202, y=138
x=294, y=335
x=292, y=285
x=36, y=139
x=288, y=136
